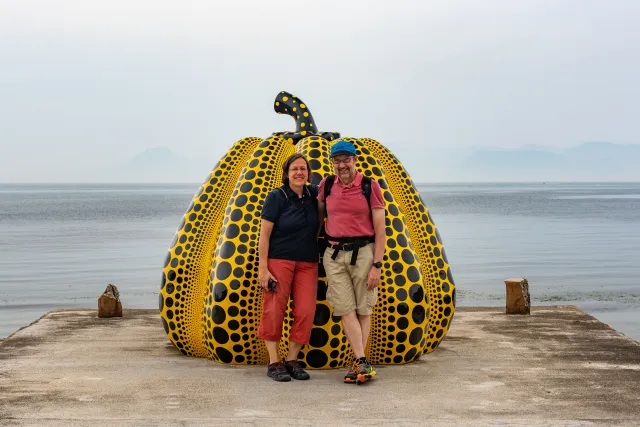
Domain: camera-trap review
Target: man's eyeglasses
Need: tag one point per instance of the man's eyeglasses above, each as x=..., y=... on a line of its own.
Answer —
x=344, y=160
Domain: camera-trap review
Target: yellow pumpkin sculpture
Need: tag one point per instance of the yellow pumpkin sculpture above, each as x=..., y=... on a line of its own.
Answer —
x=210, y=301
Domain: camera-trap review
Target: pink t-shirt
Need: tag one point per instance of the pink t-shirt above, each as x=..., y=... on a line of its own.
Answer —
x=347, y=208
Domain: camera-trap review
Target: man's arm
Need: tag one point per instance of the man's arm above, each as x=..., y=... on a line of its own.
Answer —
x=377, y=215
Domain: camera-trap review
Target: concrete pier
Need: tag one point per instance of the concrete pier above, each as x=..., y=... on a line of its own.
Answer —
x=558, y=366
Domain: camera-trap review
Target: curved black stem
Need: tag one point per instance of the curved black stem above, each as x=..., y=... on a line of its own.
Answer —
x=293, y=106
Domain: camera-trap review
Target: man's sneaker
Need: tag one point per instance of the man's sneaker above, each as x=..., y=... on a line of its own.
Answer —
x=351, y=376
x=295, y=370
x=278, y=372
x=363, y=370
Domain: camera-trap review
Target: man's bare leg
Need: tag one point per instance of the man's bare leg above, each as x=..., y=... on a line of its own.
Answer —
x=365, y=327
x=353, y=331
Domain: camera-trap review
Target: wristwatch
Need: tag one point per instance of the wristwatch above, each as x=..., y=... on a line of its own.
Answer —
x=377, y=264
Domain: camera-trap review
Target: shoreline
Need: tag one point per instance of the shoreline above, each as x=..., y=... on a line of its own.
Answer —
x=615, y=318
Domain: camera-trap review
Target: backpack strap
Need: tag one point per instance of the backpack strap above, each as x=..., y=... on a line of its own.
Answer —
x=366, y=189
x=328, y=185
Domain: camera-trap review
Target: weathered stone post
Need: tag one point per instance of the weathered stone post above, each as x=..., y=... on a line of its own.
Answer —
x=109, y=304
x=518, y=299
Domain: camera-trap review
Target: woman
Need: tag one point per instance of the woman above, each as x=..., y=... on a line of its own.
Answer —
x=289, y=265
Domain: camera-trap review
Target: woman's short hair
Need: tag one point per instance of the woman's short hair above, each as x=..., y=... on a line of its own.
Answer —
x=287, y=164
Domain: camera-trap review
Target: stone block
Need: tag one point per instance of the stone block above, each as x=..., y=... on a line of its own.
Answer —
x=109, y=304
x=518, y=299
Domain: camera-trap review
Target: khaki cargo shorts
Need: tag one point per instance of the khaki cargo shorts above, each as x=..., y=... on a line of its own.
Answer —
x=347, y=284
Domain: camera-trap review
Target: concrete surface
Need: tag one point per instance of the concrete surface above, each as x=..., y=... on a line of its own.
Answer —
x=557, y=366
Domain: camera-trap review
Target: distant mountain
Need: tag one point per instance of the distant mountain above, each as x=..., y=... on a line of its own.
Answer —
x=592, y=161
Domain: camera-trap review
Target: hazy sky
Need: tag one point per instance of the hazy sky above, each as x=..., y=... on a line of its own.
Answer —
x=86, y=84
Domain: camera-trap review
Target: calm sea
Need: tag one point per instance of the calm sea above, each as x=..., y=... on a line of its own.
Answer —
x=576, y=243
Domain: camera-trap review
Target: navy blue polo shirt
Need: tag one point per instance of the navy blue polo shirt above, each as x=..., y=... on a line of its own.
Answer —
x=295, y=223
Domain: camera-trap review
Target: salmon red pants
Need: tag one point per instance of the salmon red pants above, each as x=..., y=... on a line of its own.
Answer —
x=300, y=280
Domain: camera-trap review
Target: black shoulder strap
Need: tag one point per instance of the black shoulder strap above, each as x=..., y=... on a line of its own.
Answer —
x=328, y=185
x=366, y=189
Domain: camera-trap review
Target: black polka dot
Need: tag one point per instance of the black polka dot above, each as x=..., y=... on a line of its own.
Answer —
x=397, y=225
x=407, y=256
x=403, y=322
x=412, y=274
x=416, y=293
x=241, y=200
x=319, y=337
x=224, y=355
x=232, y=231
x=219, y=292
x=403, y=308
x=317, y=358
x=411, y=354
x=227, y=250
x=220, y=335
x=322, y=315
x=236, y=215
x=223, y=271
x=418, y=314
x=218, y=315
x=415, y=336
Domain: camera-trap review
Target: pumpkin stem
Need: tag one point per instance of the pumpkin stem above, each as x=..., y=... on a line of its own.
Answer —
x=286, y=103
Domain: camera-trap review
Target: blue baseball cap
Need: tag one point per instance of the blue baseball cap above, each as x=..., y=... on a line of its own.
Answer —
x=343, y=148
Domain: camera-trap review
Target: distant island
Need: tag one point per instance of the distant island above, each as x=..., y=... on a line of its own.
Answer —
x=591, y=161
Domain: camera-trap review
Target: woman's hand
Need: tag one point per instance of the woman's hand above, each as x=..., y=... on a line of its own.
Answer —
x=263, y=276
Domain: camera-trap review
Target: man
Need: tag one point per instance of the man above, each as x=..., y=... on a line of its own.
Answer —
x=355, y=232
